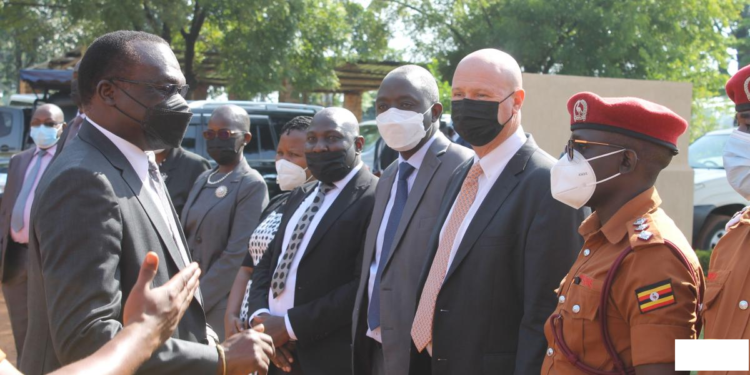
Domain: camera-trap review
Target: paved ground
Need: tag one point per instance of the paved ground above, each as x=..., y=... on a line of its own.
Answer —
x=6, y=335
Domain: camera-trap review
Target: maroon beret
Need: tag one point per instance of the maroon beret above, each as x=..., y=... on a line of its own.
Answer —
x=633, y=117
x=738, y=89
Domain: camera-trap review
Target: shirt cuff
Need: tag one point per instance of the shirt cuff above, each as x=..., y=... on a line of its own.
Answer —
x=289, y=329
x=260, y=311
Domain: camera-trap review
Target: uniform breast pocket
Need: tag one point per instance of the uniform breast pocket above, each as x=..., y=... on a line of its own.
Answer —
x=714, y=286
x=581, y=307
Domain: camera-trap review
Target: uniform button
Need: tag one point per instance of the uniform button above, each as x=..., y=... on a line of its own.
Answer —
x=743, y=305
x=576, y=309
x=586, y=252
x=561, y=299
x=550, y=352
x=198, y=239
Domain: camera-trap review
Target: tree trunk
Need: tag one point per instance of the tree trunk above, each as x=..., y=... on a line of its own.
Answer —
x=191, y=37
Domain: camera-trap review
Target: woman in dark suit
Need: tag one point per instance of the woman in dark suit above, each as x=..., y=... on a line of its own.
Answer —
x=291, y=167
x=223, y=203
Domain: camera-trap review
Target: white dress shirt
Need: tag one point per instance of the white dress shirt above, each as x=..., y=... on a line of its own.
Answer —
x=280, y=305
x=493, y=164
x=416, y=162
x=22, y=236
x=138, y=159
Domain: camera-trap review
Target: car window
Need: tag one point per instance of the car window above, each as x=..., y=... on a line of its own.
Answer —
x=6, y=123
x=188, y=142
x=262, y=143
x=267, y=146
x=707, y=152
x=371, y=135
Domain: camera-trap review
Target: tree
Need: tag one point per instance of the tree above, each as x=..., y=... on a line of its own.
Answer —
x=257, y=46
x=684, y=40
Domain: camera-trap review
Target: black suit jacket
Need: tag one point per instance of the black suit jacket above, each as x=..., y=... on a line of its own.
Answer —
x=180, y=170
x=92, y=225
x=327, y=276
x=499, y=289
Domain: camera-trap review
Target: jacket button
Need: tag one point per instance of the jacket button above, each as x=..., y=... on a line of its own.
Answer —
x=550, y=352
x=561, y=299
x=198, y=239
x=576, y=309
x=743, y=305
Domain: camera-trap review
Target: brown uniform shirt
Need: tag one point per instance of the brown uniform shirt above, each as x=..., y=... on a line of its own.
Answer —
x=652, y=300
x=725, y=308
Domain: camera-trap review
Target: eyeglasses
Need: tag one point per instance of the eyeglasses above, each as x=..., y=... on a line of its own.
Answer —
x=165, y=90
x=570, y=147
x=49, y=124
x=221, y=134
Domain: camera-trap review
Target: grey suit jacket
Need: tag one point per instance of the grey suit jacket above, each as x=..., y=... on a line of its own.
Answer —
x=92, y=225
x=499, y=290
x=15, y=263
x=400, y=276
x=219, y=242
x=182, y=168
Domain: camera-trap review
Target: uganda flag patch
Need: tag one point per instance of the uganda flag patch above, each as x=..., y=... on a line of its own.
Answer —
x=655, y=296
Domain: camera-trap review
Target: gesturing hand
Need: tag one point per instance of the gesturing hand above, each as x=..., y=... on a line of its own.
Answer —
x=160, y=309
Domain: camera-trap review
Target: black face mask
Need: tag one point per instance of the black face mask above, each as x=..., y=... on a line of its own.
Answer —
x=476, y=120
x=165, y=123
x=331, y=166
x=225, y=151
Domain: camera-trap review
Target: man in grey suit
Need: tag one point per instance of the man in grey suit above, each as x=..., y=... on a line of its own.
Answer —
x=407, y=200
x=104, y=207
x=24, y=172
x=501, y=243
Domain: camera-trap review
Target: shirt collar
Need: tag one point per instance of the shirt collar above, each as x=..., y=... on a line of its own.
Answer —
x=617, y=226
x=137, y=158
x=416, y=159
x=495, y=161
x=50, y=151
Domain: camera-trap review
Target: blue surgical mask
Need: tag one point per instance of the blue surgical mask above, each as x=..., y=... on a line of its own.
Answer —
x=44, y=136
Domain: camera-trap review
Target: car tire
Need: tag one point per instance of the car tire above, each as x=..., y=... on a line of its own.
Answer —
x=712, y=231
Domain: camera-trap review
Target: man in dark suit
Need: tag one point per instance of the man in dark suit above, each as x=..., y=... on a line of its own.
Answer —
x=501, y=244
x=304, y=286
x=407, y=200
x=24, y=172
x=104, y=206
x=180, y=169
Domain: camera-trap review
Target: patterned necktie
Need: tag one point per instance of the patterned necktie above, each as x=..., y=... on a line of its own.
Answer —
x=158, y=185
x=16, y=218
x=402, y=193
x=421, y=330
x=278, y=282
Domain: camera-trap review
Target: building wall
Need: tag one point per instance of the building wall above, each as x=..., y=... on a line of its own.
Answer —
x=545, y=115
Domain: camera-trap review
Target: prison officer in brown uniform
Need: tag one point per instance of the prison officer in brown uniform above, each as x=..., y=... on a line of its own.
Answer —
x=725, y=309
x=637, y=275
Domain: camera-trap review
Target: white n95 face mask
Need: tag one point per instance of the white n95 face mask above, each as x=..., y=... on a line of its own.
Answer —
x=289, y=175
x=737, y=162
x=574, y=181
x=401, y=130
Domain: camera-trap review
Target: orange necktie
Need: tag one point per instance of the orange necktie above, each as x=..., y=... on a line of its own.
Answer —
x=421, y=329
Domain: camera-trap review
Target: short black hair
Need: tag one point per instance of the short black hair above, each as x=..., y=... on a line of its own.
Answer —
x=300, y=123
x=108, y=54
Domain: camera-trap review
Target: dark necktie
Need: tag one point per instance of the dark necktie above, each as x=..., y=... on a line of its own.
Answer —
x=16, y=218
x=402, y=193
x=278, y=282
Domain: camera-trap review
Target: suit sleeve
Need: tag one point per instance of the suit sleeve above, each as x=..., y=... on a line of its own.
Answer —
x=313, y=321
x=552, y=244
x=251, y=202
x=79, y=262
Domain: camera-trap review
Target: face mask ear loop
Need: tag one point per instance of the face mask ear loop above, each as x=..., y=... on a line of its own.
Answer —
x=605, y=155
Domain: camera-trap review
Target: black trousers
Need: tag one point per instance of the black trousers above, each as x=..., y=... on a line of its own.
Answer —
x=15, y=282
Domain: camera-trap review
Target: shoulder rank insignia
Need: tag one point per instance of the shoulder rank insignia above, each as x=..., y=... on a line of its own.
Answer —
x=655, y=296
x=645, y=235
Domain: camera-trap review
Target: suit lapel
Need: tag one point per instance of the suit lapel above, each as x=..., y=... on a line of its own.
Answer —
x=497, y=195
x=291, y=206
x=352, y=191
x=234, y=182
x=430, y=165
x=98, y=140
x=378, y=211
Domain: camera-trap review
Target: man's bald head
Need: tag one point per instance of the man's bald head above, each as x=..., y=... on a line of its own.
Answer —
x=339, y=116
x=233, y=116
x=490, y=64
x=417, y=76
x=48, y=112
